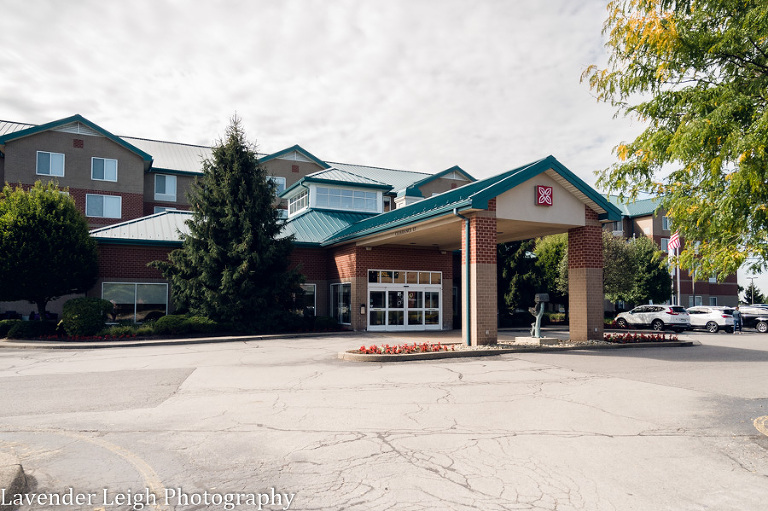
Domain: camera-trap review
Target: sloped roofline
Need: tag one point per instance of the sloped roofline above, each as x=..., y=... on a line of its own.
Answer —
x=311, y=178
x=475, y=195
x=455, y=168
x=298, y=149
x=77, y=118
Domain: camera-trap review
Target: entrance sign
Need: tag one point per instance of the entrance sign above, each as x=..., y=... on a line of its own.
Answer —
x=543, y=195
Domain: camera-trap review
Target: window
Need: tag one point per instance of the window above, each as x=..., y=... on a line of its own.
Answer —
x=713, y=301
x=664, y=244
x=713, y=279
x=665, y=223
x=341, y=303
x=50, y=164
x=310, y=301
x=298, y=203
x=160, y=209
x=136, y=302
x=103, y=169
x=617, y=227
x=342, y=198
x=279, y=184
x=103, y=206
x=165, y=188
x=694, y=301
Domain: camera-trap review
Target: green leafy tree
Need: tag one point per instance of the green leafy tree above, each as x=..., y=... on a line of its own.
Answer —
x=45, y=249
x=518, y=277
x=650, y=272
x=696, y=72
x=550, y=251
x=618, y=267
x=233, y=264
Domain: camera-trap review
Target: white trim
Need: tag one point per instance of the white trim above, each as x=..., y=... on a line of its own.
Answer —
x=93, y=158
x=104, y=205
x=50, y=154
x=166, y=197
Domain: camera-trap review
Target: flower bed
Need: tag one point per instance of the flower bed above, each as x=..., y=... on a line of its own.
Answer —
x=386, y=349
x=634, y=337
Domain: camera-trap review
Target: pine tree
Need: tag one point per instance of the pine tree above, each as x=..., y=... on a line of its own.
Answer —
x=233, y=264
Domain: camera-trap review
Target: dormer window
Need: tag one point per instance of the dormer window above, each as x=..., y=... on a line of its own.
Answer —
x=298, y=202
x=346, y=199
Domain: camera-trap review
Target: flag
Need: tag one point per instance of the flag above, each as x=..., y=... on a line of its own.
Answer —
x=674, y=241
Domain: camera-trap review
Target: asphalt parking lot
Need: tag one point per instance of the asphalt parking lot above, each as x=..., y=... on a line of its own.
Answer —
x=634, y=429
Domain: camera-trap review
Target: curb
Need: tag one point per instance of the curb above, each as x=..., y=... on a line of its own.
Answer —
x=12, y=480
x=351, y=356
x=72, y=345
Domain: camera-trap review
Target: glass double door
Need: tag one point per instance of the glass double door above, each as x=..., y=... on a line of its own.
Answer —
x=395, y=307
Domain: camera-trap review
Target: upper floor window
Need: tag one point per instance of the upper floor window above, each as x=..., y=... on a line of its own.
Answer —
x=664, y=244
x=297, y=203
x=103, y=169
x=103, y=206
x=50, y=164
x=666, y=223
x=160, y=209
x=165, y=188
x=279, y=184
x=343, y=198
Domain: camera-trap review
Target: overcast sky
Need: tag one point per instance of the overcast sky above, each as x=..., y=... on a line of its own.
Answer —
x=417, y=84
x=420, y=85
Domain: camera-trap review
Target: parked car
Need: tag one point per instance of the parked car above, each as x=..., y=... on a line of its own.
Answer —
x=658, y=317
x=754, y=316
x=711, y=318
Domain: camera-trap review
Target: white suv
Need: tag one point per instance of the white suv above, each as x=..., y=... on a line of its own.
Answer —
x=711, y=318
x=657, y=317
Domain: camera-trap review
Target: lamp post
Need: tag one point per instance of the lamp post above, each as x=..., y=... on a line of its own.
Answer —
x=752, y=279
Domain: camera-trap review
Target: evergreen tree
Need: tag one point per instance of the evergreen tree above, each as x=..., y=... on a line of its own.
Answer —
x=233, y=264
x=45, y=248
x=753, y=295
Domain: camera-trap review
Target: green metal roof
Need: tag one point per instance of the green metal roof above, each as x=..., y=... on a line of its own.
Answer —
x=337, y=177
x=399, y=179
x=68, y=120
x=316, y=225
x=163, y=228
x=632, y=209
x=474, y=196
x=297, y=148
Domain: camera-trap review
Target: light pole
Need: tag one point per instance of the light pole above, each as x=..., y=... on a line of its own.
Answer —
x=752, y=279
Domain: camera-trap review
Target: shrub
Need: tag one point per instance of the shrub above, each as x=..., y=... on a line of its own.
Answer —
x=31, y=329
x=6, y=325
x=118, y=330
x=172, y=324
x=85, y=316
x=200, y=324
x=323, y=323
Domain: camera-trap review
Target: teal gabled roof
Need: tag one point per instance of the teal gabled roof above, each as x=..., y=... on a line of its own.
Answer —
x=162, y=229
x=337, y=177
x=633, y=209
x=475, y=195
x=298, y=149
x=316, y=225
x=69, y=120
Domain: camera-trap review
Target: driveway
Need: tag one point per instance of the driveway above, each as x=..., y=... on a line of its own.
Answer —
x=642, y=429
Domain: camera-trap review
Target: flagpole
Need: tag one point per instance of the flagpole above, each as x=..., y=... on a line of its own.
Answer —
x=677, y=267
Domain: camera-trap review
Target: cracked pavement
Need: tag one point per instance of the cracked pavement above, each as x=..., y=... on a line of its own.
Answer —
x=634, y=429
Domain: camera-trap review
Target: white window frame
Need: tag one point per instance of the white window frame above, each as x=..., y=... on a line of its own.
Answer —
x=160, y=209
x=166, y=197
x=713, y=301
x=666, y=224
x=664, y=244
x=105, y=160
x=50, y=164
x=298, y=203
x=346, y=199
x=280, y=183
x=114, y=199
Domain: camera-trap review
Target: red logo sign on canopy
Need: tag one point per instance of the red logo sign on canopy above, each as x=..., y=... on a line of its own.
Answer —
x=543, y=195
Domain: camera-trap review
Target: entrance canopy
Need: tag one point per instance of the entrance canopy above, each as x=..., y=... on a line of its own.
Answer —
x=537, y=199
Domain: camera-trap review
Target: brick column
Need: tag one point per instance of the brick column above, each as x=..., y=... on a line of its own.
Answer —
x=585, y=279
x=482, y=284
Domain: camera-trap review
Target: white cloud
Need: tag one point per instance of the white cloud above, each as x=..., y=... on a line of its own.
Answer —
x=419, y=84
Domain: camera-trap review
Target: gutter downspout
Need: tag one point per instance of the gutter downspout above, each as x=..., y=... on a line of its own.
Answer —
x=467, y=312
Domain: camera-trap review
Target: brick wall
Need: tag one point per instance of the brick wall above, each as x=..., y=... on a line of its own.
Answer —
x=585, y=279
x=585, y=244
x=311, y=262
x=132, y=206
x=130, y=261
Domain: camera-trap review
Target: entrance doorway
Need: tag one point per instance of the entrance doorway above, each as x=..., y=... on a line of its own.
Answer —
x=404, y=300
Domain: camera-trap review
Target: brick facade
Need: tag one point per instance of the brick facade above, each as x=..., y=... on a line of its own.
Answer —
x=585, y=279
x=483, y=326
